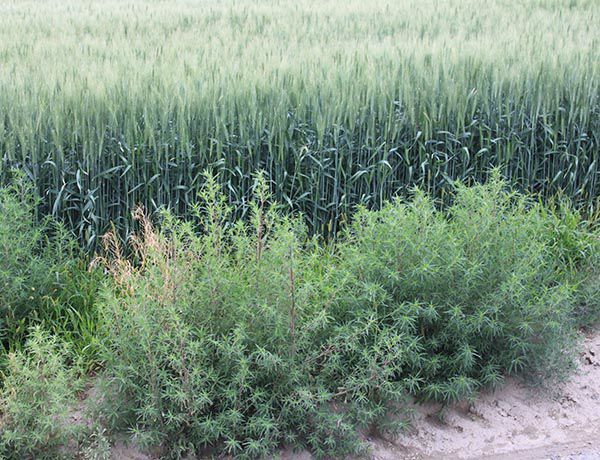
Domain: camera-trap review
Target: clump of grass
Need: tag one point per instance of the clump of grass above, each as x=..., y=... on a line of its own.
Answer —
x=237, y=338
x=25, y=274
x=44, y=277
x=588, y=291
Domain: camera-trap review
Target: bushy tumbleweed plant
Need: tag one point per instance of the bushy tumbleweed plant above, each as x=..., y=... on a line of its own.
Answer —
x=234, y=339
x=38, y=393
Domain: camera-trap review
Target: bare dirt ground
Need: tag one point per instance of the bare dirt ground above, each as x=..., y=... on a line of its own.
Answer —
x=514, y=422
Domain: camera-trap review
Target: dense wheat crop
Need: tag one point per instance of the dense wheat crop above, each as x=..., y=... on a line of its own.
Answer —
x=108, y=104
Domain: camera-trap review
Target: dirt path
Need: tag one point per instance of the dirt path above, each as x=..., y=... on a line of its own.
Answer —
x=514, y=422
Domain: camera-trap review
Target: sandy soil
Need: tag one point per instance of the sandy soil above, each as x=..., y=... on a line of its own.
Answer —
x=515, y=422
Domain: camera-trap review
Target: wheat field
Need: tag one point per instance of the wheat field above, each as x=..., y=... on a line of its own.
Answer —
x=111, y=104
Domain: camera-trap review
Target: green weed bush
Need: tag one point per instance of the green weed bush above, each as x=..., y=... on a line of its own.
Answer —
x=480, y=287
x=576, y=245
x=25, y=273
x=207, y=338
x=588, y=291
x=234, y=339
x=38, y=392
x=43, y=275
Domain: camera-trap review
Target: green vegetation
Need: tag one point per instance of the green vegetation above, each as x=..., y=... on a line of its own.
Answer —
x=44, y=277
x=35, y=399
x=243, y=337
x=241, y=225
x=108, y=105
x=237, y=339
